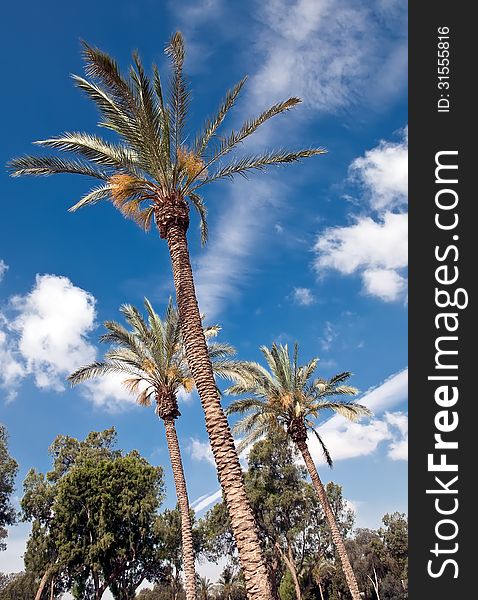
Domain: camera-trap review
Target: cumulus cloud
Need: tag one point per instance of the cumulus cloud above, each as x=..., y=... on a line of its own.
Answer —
x=398, y=448
x=374, y=245
x=364, y=245
x=386, y=284
x=303, y=296
x=346, y=439
x=52, y=323
x=383, y=174
x=47, y=337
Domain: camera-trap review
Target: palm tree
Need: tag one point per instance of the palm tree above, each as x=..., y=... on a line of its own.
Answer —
x=287, y=397
x=156, y=172
x=151, y=356
x=205, y=588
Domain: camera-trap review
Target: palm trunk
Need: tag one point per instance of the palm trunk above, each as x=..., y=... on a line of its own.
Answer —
x=222, y=443
x=329, y=515
x=183, y=502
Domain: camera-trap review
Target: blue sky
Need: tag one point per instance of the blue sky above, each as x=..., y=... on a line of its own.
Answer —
x=314, y=253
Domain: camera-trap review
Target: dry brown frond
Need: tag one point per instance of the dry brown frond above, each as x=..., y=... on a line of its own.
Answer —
x=132, y=384
x=143, y=399
x=122, y=187
x=191, y=163
x=188, y=384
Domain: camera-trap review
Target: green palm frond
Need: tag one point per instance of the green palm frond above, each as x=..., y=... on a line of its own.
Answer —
x=220, y=350
x=93, y=148
x=102, y=67
x=246, y=404
x=250, y=126
x=52, y=165
x=212, y=125
x=101, y=192
x=340, y=377
x=259, y=162
x=179, y=96
x=95, y=369
x=199, y=205
x=349, y=410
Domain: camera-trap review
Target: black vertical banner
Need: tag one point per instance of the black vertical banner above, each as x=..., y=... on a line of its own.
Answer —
x=443, y=256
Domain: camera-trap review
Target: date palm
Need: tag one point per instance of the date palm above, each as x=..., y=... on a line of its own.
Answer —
x=288, y=397
x=156, y=172
x=151, y=357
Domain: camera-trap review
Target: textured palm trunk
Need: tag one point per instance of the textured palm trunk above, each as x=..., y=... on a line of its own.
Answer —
x=183, y=502
x=222, y=443
x=329, y=515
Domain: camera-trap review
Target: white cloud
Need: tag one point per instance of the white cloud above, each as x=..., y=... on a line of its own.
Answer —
x=303, y=296
x=328, y=336
x=201, y=451
x=386, y=284
x=109, y=392
x=223, y=268
x=12, y=371
x=346, y=439
x=3, y=269
x=204, y=501
x=383, y=173
x=330, y=52
x=398, y=449
x=391, y=392
x=52, y=323
x=365, y=244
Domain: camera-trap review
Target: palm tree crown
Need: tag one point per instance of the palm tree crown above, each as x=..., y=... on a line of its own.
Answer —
x=151, y=355
x=154, y=169
x=287, y=396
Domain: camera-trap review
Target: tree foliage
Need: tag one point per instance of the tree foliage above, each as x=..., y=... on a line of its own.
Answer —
x=8, y=470
x=95, y=518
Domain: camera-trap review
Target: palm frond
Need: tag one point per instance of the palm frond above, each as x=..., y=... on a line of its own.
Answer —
x=92, y=197
x=220, y=350
x=259, y=162
x=340, y=377
x=179, y=93
x=349, y=410
x=52, y=165
x=94, y=149
x=199, y=205
x=244, y=405
x=103, y=67
x=212, y=125
x=93, y=370
x=250, y=126
x=324, y=448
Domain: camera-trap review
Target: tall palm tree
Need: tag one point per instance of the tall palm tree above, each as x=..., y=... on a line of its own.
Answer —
x=151, y=356
x=156, y=172
x=288, y=397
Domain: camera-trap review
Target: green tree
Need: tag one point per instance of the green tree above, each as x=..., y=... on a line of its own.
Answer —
x=152, y=358
x=18, y=586
x=8, y=471
x=154, y=173
x=287, y=397
x=291, y=521
x=94, y=518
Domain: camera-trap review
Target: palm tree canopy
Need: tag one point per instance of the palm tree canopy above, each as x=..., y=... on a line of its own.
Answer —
x=151, y=354
x=285, y=395
x=154, y=159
